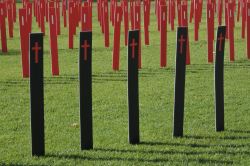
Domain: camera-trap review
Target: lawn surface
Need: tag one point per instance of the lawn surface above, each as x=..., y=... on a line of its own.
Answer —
x=200, y=145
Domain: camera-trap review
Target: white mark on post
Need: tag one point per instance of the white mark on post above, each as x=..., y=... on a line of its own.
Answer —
x=52, y=19
x=84, y=18
x=22, y=21
x=164, y=16
x=118, y=18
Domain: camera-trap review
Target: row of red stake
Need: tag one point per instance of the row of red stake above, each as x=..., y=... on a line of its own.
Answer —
x=75, y=12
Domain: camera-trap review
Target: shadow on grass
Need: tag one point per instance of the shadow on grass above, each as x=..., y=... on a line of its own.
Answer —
x=16, y=83
x=194, y=145
x=132, y=159
x=223, y=138
x=17, y=164
x=239, y=131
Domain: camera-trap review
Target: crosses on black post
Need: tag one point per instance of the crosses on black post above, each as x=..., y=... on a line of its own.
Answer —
x=219, y=78
x=85, y=76
x=180, y=81
x=133, y=94
x=37, y=94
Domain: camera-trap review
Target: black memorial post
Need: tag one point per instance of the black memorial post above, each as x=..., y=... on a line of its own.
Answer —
x=85, y=76
x=182, y=33
x=133, y=91
x=37, y=94
x=219, y=78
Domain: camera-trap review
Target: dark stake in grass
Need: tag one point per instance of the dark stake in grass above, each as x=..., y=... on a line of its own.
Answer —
x=37, y=94
x=219, y=78
x=180, y=81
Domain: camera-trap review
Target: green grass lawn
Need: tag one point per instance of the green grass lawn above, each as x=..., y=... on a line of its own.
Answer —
x=200, y=145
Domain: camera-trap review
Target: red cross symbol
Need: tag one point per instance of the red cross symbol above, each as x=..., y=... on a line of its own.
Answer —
x=85, y=46
x=36, y=49
x=133, y=45
x=181, y=40
x=221, y=38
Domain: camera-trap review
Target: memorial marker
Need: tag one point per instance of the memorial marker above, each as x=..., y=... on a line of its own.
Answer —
x=219, y=78
x=53, y=41
x=24, y=42
x=210, y=30
x=231, y=30
x=85, y=77
x=37, y=94
x=3, y=27
x=133, y=92
x=182, y=34
x=117, y=33
x=248, y=30
x=163, y=35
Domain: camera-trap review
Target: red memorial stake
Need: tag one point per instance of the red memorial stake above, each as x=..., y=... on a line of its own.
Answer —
x=132, y=4
x=42, y=14
x=243, y=13
x=231, y=30
x=29, y=16
x=71, y=25
x=146, y=21
x=196, y=20
x=106, y=24
x=126, y=20
x=220, y=10
x=163, y=38
x=191, y=11
x=24, y=42
x=248, y=29
x=85, y=18
x=58, y=23
x=238, y=11
x=3, y=27
x=210, y=30
x=137, y=24
x=179, y=11
x=10, y=18
x=117, y=33
x=184, y=22
x=53, y=41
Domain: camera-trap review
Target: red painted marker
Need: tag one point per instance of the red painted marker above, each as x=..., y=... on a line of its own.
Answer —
x=126, y=20
x=10, y=18
x=117, y=33
x=85, y=18
x=191, y=11
x=248, y=30
x=210, y=30
x=179, y=11
x=53, y=41
x=137, y=19
x=24, y=42
x=106, y=24
x=196, y=20
x=184, y=22
x=231, y=30
x=71, y=25
x=146, y=20
x=243, y=13
x=220, y=10
x=42, y=7
x=3, y=27
x=163, y=38
x=58, y=24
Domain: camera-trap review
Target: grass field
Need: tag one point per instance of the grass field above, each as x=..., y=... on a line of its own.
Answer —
x=200, y=145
